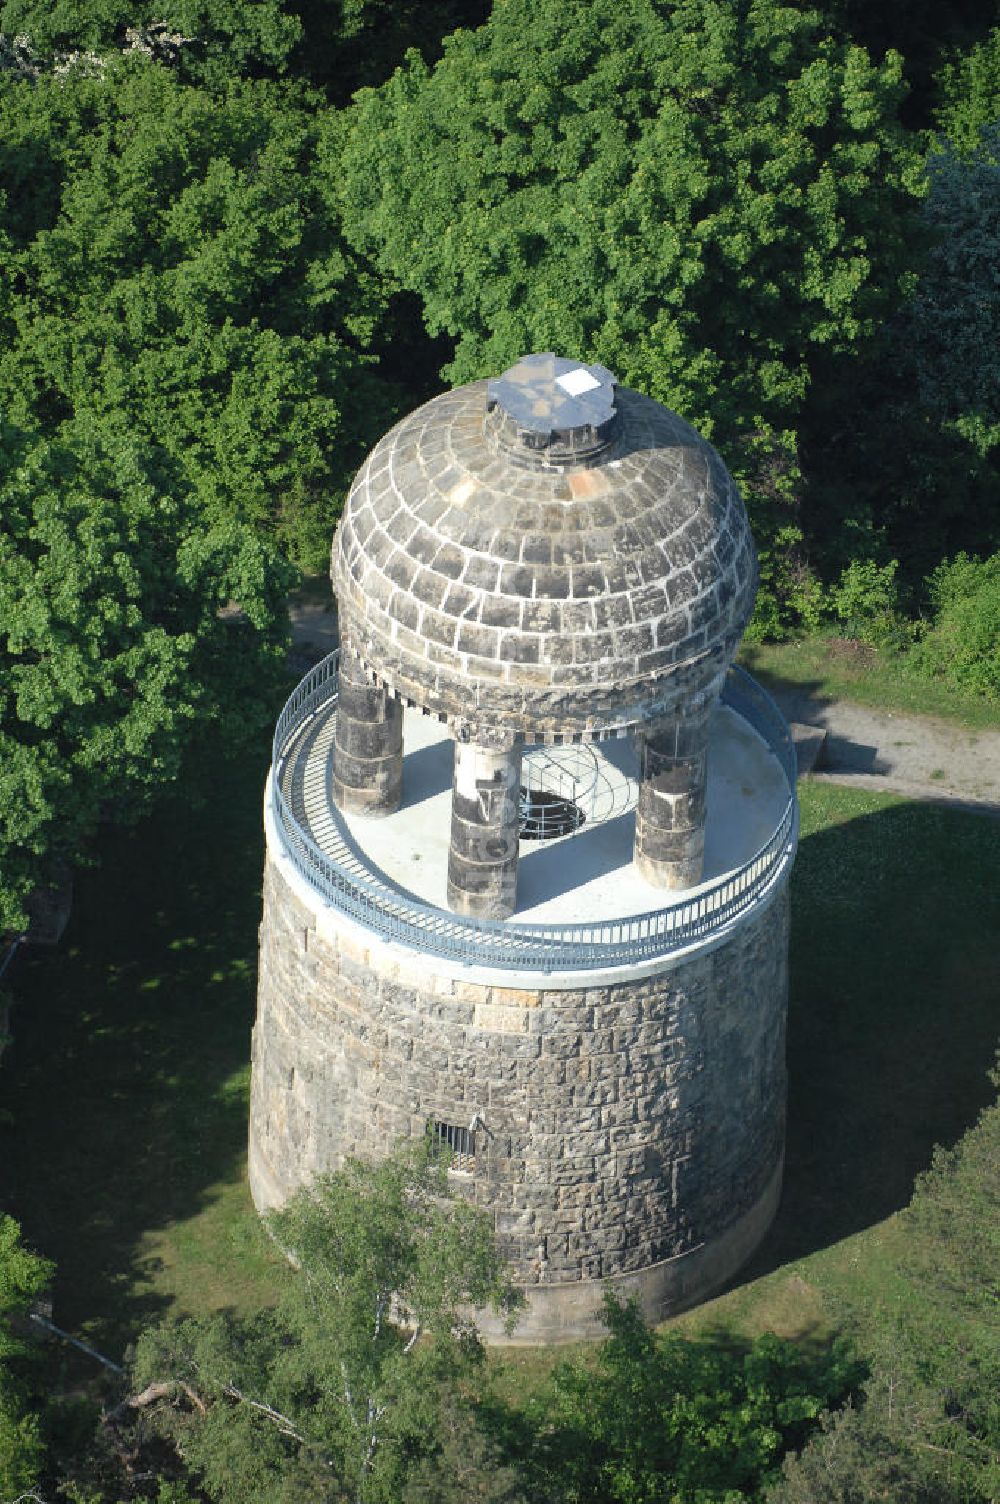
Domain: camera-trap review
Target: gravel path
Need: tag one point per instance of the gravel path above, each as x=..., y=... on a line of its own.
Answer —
x=921, y=757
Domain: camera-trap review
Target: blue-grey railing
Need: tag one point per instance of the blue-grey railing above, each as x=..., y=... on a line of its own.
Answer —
x=344, y=880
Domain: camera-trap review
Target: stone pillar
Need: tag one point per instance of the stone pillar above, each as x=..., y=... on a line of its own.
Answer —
x=367, y=771
x=485, y=830
x=670, y=814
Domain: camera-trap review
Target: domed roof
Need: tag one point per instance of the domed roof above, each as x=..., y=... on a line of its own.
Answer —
x=546, y=556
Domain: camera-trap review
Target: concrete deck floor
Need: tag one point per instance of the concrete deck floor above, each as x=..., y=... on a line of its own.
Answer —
x=588, y=875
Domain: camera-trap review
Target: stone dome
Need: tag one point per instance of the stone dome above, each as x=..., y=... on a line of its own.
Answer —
x=544, y=557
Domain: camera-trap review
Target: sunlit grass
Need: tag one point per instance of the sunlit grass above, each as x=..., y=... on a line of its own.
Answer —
x=218, y=1257
x=834, y=669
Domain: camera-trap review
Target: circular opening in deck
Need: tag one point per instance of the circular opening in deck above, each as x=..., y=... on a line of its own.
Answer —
x=545, y=815
x=560, y=790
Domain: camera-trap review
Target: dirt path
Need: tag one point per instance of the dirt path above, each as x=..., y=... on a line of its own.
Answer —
x=922, y=757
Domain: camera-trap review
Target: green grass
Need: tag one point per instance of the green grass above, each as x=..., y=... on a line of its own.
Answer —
x=127, y=1082
x=835, y=668
x=313, y=590
x=892, y=1027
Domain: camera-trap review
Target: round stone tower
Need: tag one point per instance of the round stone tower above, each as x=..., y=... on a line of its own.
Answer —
x=529, y=837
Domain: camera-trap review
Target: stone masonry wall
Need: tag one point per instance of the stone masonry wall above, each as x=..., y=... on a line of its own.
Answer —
x=625, y=1124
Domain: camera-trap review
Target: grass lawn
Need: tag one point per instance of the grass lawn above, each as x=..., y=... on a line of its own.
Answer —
x=835, y=668
x=893, y=1024
x=127, y=1082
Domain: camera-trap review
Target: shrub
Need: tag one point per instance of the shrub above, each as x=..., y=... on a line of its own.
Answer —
x=962, y=646
x=865, y=601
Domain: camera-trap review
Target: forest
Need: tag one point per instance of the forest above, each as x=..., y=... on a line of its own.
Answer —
x=239, y=239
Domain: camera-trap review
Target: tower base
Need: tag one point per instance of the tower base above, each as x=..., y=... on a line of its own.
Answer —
x=623, y=1128
x=573, y=1313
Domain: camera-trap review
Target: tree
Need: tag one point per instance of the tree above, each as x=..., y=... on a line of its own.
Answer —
x=969, y=91
x=345, y=1387
x=855, y=1459
x=353, y=43
x=952, y=325
x=928, y=1431
x=657, y=1417
x=701, y=196
x=962, y=644
x=113, y=651
x=183, y=350
x=214, y=40
x=902, y=440
x=926, y=33
x=175, y=276
x=339, y=44
x=22, y=1276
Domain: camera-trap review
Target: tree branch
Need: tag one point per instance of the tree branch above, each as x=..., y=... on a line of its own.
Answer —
x=375, y=1414
x=284, y=1424
x=349, y=1397
x=157, y=1391
x=84, y=1347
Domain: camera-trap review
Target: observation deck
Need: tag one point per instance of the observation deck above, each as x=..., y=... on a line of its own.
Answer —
x=581, y=907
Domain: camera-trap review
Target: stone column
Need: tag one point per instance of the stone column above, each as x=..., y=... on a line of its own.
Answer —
x=670, y=814
x=367, y=770
x=485, y=829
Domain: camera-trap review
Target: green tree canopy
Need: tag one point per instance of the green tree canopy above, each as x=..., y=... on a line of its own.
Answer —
x=969, y=89
x=176, y=277
x=216, y=40
x=903, y=437
x=22, y=1276
x=657, y=1417
x=339, y=44
x=184, y=342
x=112, y=645
x=351, y=43
x=343, y=1389
x=699, y=195
x=952, y=326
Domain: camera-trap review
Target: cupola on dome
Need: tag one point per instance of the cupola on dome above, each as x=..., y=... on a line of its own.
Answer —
x=544, y=556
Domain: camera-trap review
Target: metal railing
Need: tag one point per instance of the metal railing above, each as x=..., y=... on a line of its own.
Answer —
x=342, y=877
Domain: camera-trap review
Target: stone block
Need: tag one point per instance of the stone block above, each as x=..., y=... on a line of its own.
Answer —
x=497, y=1018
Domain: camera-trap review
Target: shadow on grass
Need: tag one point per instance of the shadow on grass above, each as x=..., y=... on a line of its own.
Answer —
x=798, y=699
x=893, y=1012
x=127, y=1082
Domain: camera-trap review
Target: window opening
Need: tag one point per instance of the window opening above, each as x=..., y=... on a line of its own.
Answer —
x=461, y=1142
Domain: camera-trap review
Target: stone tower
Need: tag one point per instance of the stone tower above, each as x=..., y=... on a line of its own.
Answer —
x=529, y=837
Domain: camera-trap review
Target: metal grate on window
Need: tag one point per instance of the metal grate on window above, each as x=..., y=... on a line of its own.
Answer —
x=460, y=1141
